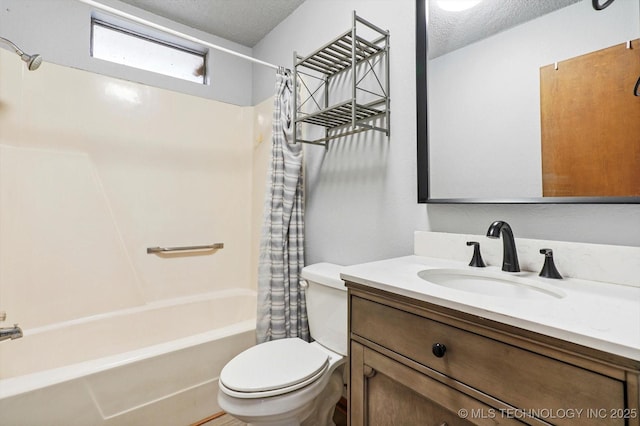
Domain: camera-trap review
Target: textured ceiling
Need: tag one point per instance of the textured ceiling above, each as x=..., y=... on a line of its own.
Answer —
x=243, y=21
x=247, y=21
x=452, y=30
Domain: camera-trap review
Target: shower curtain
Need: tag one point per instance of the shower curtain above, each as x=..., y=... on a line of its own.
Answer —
x=282, y=310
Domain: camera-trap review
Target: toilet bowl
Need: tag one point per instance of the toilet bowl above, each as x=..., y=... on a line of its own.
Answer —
x=289, y=381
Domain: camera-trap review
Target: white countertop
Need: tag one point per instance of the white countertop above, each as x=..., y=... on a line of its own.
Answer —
x=598, y=315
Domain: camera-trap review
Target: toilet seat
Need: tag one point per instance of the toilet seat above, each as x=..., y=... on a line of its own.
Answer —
x=273, y=368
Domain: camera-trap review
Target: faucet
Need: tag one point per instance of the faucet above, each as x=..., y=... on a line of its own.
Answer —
x=509, y=253
x=14, y=332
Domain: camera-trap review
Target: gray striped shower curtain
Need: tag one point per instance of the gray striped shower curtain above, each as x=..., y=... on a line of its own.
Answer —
x=282, y=310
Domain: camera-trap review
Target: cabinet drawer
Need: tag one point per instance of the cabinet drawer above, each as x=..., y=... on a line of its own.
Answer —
x=521, y=378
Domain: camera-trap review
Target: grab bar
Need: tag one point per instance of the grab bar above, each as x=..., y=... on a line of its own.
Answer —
x=155, y=250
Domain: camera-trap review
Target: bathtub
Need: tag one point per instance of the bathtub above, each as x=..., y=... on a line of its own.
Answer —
x=156, y=364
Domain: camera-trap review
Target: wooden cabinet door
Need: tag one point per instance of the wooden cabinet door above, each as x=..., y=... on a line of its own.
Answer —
x=589, y=124
x=387, y=393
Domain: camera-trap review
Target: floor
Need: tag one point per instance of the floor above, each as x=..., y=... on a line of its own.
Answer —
x=225, y=420
x=340, y=418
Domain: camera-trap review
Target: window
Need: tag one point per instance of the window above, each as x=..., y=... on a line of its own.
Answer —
x=122, y=46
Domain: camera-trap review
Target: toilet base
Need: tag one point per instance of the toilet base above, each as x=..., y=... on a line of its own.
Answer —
x=316, y=411
x=326, y=402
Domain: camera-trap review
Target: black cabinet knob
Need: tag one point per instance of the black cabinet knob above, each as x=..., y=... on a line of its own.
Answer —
x=438, y=349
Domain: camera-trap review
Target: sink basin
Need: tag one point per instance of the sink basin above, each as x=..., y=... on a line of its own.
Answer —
x=491, y=283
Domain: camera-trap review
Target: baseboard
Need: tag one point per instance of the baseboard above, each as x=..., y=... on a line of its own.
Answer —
x=208, y=419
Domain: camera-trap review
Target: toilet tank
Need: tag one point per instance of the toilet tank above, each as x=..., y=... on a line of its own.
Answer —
x=326, y=298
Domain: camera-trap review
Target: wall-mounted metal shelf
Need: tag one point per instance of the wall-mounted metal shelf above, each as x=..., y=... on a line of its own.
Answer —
x=352, y=64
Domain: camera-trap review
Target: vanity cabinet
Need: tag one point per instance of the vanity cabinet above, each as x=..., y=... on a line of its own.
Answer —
x=481, y=372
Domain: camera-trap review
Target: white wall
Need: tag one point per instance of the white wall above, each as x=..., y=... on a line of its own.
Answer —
x=361, y=194
x=361, y=201
x=60, y=31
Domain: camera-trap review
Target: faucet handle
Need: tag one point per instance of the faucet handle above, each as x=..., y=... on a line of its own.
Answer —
x=476, y=260
x=18, y=332
x=549, y=268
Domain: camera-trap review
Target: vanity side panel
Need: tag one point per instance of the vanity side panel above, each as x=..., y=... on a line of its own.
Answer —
x=356, y=384
x=633, y=398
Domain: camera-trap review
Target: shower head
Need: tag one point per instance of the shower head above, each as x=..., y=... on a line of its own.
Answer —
x=33, y=61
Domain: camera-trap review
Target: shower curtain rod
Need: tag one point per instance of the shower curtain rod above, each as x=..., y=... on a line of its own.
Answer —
x=175, y=33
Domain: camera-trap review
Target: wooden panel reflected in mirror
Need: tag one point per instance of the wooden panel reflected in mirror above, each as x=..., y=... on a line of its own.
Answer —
x=479, y=104
x=587, y=151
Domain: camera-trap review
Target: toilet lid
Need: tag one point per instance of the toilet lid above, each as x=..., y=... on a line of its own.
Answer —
x=274, y=365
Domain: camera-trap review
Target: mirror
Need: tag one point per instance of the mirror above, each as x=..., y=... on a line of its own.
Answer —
x=488, y=115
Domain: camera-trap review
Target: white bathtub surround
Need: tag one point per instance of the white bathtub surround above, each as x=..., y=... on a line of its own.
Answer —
x=93, y=170
x=110, y=369
x=282, y=310
x=602, y=314
x=263, y=115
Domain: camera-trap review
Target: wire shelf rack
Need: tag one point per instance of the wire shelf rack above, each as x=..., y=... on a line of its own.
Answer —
x=347, y=62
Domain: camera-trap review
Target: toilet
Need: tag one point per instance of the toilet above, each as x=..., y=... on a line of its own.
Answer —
x=289, y=381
